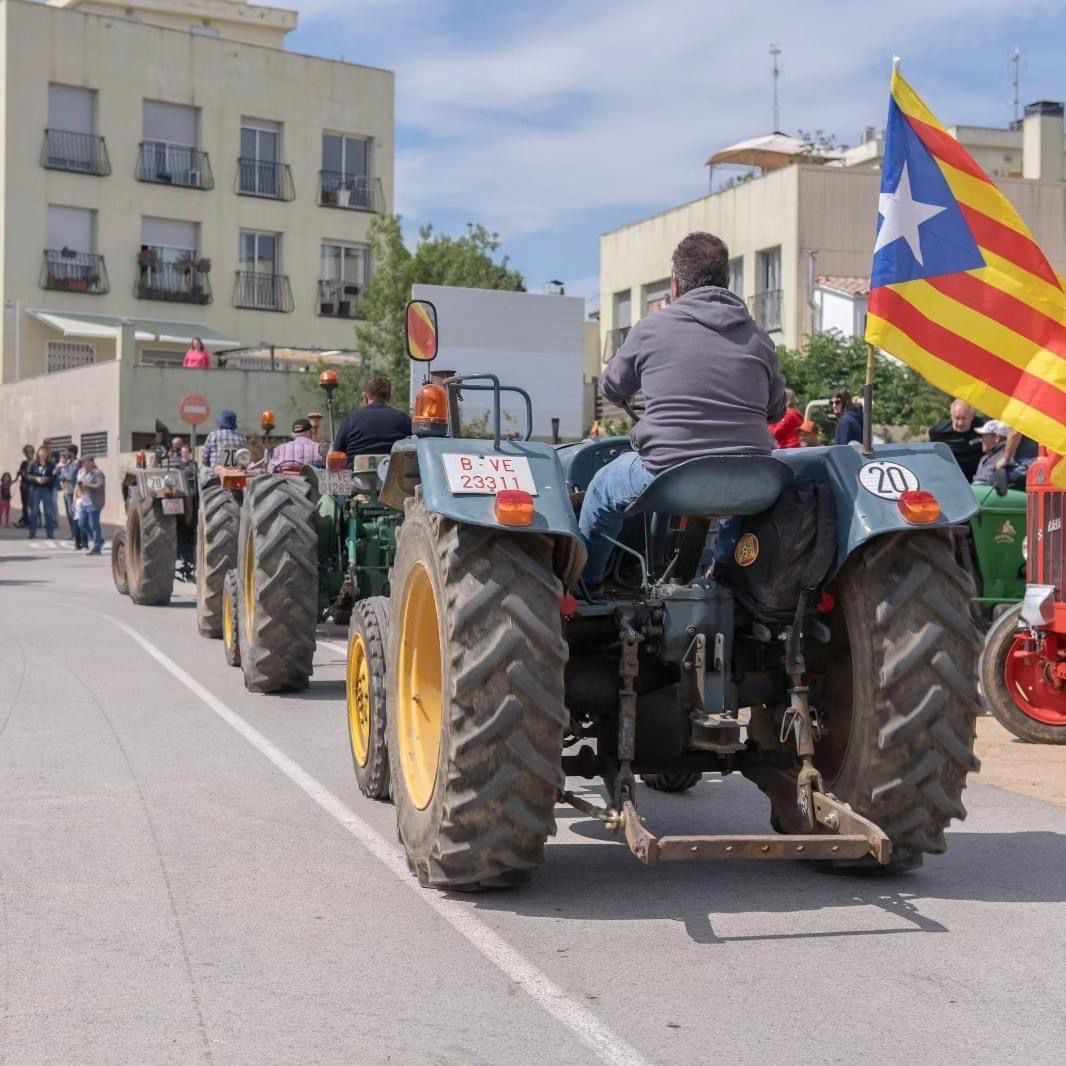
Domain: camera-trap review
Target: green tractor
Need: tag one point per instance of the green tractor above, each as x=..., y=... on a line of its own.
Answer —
x=842, y=685
x=990, y=548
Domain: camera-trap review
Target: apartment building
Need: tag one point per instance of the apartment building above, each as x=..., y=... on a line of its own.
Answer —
x=801, y=230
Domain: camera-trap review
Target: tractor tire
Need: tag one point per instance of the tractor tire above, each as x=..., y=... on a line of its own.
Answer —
x=118, y=562
x=675, y=781
x=277, y=584
x=475, y=700
x=230, y=631
x=217, y=525
x=899, y=698
x=368, y=634
x=1009, y=711
x=151, y=552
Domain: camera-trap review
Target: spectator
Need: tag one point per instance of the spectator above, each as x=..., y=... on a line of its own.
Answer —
x=221, y=446
x=186, y=454
x=92, y=485
x=24, y=485
x=67, y=473
x=808, y=435
x=960, y=432
x=786, y=432
x=174, y=455
x=848, y=416
x=993, y=436
x=196, y=358
x=41, y=474
x=375, y=428
x=1018, y=456
x=297, y=453
x=5, y=499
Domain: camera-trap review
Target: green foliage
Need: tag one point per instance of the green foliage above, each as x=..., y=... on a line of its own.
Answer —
x=436, y=260
x=829, y=361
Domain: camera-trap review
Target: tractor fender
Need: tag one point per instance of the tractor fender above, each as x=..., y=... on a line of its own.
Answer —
x=417, y=464
x=866, y=490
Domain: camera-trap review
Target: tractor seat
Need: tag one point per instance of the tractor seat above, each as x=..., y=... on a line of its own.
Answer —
x=715, y=485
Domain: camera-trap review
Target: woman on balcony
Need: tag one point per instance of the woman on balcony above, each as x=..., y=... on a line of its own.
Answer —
x=196, y=358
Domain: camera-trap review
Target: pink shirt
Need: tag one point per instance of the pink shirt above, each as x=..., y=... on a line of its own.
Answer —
x=300, y=451
x=195, y=360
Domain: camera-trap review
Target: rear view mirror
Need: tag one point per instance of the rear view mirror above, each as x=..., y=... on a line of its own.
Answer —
x=420, y=331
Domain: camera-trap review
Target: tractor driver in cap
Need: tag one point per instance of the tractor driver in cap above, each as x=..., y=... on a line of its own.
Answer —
x=710, y=382
x=220, y=448
x=297, y=453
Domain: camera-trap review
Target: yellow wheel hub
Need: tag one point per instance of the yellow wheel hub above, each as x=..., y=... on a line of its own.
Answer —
x=360, y=707
x=419, y=688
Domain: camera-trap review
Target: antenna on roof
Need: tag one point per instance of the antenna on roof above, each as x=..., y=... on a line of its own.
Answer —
x=775, y=51
x=1016, y=63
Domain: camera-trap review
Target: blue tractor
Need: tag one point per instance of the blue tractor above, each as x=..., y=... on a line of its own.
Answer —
x=841, y=684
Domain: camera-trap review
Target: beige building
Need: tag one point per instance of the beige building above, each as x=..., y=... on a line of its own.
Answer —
x=801, y=219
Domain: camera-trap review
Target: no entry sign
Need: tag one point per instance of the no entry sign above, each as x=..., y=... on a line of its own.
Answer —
x=194, y=409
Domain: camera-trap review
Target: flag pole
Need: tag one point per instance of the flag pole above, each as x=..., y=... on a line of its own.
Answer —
x=868, y=402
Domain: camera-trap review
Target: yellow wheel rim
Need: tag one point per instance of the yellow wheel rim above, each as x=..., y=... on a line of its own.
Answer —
x=229, y=617
x=248, y=578
x=359, y=703
x=420, y=702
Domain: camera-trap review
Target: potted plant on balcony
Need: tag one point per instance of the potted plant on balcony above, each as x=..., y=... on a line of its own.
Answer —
x=186, y=264
x=203, y=266
x=148, y=258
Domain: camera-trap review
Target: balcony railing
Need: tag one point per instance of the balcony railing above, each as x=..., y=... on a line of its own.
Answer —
x=174, y=164
x=272, y=181
x=180, y=283
x=352, y=191
x=765, y=308
x=259, y=291
x=339, y=299
x=80, y=153
x=68, y=271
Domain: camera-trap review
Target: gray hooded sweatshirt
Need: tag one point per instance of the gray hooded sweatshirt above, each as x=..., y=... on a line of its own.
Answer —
x=709, y=377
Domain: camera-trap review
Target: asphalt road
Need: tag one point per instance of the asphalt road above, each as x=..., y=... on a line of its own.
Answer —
x=188, y=874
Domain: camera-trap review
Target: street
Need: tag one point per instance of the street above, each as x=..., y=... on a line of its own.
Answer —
x=188, y=873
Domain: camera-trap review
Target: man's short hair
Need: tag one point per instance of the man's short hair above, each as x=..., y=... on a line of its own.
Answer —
x=701, y=259
x=379, y=389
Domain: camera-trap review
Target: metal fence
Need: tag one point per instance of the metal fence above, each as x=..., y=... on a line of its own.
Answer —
x=262, y=292
x=68, y=271
x=272, y=181
x=174, y=164
x=80, y=153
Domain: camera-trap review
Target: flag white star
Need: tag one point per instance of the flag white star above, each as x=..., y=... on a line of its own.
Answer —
x=903, y=215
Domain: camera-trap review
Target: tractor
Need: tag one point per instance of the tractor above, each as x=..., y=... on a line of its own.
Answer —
x=820, y=643
x=990, y=548
x=1023, y=665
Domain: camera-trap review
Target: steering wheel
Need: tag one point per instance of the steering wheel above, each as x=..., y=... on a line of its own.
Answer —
x=633, y=416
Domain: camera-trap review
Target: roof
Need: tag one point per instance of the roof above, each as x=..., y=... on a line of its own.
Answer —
x=770, y=152
x=845, y=285
x=78, y=324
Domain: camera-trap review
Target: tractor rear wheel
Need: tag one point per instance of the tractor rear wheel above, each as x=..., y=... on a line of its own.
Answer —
x=277, y=584
x=118, y=562
x=368, y=634
x=675, y=781
x=151, y=551
x=230, y=638
x=475, y=700
x=217, y=525
x=1015, y=689
x=898, y=699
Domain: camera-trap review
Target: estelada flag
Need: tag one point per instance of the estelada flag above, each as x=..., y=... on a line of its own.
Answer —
x=960, y=291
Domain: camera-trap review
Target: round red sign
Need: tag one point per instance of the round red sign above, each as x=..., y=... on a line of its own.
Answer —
x=194, y=409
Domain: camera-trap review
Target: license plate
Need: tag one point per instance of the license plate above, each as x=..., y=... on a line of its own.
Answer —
x=173, y=507
x=485, y=475
x=335, y=482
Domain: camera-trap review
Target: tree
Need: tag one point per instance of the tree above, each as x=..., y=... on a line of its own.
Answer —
x=436, y=260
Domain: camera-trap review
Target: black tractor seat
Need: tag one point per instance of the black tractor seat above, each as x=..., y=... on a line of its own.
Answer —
x=715, y=485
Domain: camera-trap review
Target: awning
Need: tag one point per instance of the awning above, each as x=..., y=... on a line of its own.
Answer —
x=772, y=152
x=77, y=324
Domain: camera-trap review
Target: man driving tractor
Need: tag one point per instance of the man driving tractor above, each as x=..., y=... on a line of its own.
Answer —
x=710, y=381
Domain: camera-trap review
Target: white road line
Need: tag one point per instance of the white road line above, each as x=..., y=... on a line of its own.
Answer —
x=342, y=648
x=596, y=1036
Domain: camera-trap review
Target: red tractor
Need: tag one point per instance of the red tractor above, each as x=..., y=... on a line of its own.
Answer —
x=1023, y=666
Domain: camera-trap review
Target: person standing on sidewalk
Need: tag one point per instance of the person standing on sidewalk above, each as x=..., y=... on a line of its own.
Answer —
x=24, y=485
x=93, y=487
x=67, y=472
x=42, y=477
x=5, y=499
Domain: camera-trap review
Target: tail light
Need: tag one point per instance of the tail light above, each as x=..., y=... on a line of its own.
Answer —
x=431, y=411
x=514, y=508
x=337, y=461
x=234, y=481
x=142, y=460
x=919, y=507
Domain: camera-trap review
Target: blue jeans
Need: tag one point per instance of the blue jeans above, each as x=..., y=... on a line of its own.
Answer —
x=40, y=496
x=612, y=489
x=89, y=520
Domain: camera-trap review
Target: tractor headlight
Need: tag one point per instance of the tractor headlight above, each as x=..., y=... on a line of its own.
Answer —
x=243, y=458
x=170, y=481
x=1025, y=548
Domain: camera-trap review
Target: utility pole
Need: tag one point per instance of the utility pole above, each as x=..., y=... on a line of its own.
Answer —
x=1016, y=63
x=775, y=51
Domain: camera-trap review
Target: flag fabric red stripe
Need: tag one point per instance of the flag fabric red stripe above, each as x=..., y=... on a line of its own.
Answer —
x=966, y=356
x=945, y=147
x=1007, y=310
x=1008, y=243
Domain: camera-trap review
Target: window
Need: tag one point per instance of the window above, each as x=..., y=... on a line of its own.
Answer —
x=343, y=275
x=161, y=357
x=70, y=140
x=71, y=109
x=58, y=444
x=736, y=276
x=346, y=171
x=94, y=444
x=169, y=150
x=768, y=270
x=261, y=172
x=72, y=228
x=260, y=286
x=623, y=309
x=259, y=251
x=169, y=263
x=766, y=303
x=67, y=355
x=656, y=296
x=70, y=264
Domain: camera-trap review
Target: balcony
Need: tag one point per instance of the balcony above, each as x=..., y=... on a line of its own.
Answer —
x=174, y=164
x=339, y=299
x=355, y=192
x=182, y=282
x=258, y=291
x=65, y=270
x=79, y=153
x=765, y=308
x=271, y=181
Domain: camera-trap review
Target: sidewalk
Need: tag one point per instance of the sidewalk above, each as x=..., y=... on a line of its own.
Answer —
x=62, y=530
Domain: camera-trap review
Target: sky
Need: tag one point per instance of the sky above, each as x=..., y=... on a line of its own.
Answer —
x=552, y=122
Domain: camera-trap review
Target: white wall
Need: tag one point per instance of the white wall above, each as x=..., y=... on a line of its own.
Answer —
x=842, y=313
x=532, y=341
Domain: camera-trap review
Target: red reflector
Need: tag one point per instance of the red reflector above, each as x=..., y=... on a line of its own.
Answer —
x=919, y=507
x=514, y=508
x=826, y=603
x=233, y=481
x=568, y=606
